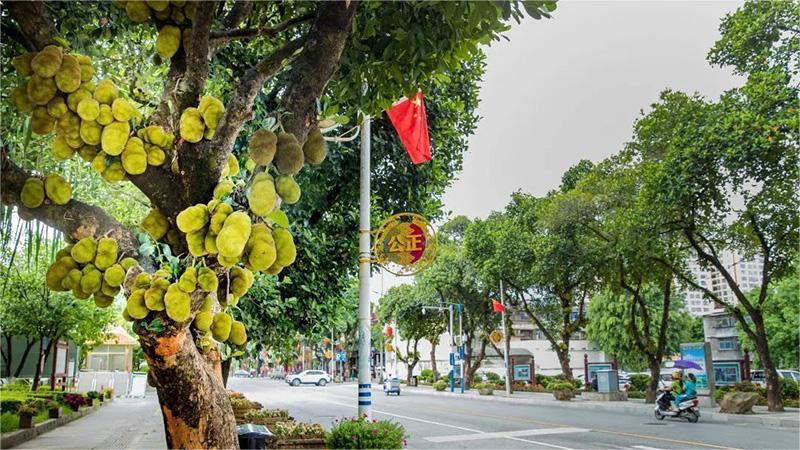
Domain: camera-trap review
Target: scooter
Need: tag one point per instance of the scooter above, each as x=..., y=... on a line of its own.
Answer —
x=687, y=408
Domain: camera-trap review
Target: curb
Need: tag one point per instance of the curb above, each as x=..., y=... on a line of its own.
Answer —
x=756, y=419
x=17, y=437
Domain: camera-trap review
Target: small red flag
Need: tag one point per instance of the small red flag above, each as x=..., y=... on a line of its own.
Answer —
x=408, y=118
x=497, y=307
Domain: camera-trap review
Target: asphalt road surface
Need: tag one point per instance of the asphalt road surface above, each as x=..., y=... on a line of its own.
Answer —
x=436, y=422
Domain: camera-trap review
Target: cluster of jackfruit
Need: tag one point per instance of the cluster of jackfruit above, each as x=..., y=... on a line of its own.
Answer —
x=157, y=226
x=157, y=293
x=54, y=187
x=89, y=268
x=221, y=326
x=200, y=122
x=175, y=11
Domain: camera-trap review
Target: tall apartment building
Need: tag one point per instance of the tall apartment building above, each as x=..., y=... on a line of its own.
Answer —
x=745, y=272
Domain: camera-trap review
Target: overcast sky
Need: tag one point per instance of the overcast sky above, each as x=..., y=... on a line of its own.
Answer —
x=571, y=87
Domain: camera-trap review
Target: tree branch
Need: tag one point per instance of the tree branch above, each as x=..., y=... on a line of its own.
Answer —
x=240, y=10
x=75, y=219
x=197, y=61
x=34, y=21
x=222, y=37
x=312, y=70
x=17, y=35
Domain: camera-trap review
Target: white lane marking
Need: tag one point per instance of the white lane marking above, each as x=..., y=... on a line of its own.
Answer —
x=408, y=418
x=503, y=434
x=644, y=447
x=544, y=444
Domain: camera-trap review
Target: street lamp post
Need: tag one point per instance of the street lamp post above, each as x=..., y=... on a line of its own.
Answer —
x=455, y=350
x=364, y=254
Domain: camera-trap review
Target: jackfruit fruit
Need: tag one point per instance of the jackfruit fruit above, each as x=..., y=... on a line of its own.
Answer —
x=58, y=271
x=208, y=303
x=158, y=5
x=72, y=279
x=207, y=280
x=260, y=250
x=99, y=163
x=107, y=289
x=250, y=165
x=315, y=149
x=191, y=125
x=87, y=153
x=188, y=280
x=212, y=109
x=238, y=335
x=56, y=107
x=74, y=99
x=234, y=234
x=289, y=156
x=57, y=189
x=87, y=71
x=32, y=194
x=114, y=172
x=89, y=109
x=223, y=188
x=78, y=293
x=156, y=135
x=105, y=116
x=176, y=14
x=195, y=241
x=63, y=252
x=46, y=63
x=40, y=90
x=261, y=197
x=114, y=137
x=178, y=303
x=106, y=92
x=221, y=326
x=210, y=243
x=102, y=301
x=90, y=132
x=288, y=189
x=22, y=63
x=190, y=9
x=136, y=306
x=134, y=158
x=122, y=110
x=241, y=281
x=114, y=275
x=138, y=11
x=192, y=218
x=20, y=98
x=142, y=281
x=155, y=155
x=84, y=250
x=231, y=300
x=155, y=224
x=89, y=85
x=169, y=41
x=126, y=316
x=228, y=262
x=263, y=146
x=203, y=320
x=68, y=77
x=106, y=253
x=91, y=281
x=154, y=298
x=127, y=263
x=233, y=166
x=284, y=246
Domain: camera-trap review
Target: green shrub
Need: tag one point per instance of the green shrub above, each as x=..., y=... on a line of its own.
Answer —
x=427, y=376
x=562, y=386
x=493, y=378
x=486, y=385
x=639, y=382
x=266, y=414
x=8, y=422
x=790, y=389
x=358, y=433
x=636, y=394
x=440, y=385
x=543, y=380
x=298, y=429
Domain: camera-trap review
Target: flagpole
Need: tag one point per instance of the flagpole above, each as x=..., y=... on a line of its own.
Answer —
x=506, y=341
x=364, y=255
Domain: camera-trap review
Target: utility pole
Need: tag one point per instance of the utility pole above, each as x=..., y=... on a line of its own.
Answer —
x=506, y=341
x=364, y=255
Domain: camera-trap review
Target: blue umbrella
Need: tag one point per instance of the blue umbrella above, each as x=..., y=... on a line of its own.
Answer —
x=684, y=364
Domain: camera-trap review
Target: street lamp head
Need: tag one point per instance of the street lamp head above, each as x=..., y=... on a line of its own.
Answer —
x=423, y=310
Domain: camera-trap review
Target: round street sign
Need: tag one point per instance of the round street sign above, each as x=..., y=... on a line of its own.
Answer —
x=405, y=244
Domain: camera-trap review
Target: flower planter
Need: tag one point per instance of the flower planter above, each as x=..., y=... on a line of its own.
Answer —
x=563, y=395
x=74, y=407
x=26, y=420
x=54, y=413
x=485, y=391
x=299, y=442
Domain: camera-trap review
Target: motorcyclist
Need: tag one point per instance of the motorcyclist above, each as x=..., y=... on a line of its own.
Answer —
x=689, y=390
x=676, y=388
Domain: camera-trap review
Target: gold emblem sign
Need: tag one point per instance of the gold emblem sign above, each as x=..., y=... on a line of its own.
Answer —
x=405, y=244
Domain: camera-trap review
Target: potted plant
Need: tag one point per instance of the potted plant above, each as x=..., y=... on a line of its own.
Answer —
x=361, y=432
x=298, y=435
x=53, y=409
x=92, y=395
x=563, y=390
x=484, y=388
x=440, y=385
x=74, y=401
x=108, y=393
x=267, y=417
x=26, y=413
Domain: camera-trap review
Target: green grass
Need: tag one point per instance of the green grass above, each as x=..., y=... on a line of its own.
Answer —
x=9, y=422
x=42, y=416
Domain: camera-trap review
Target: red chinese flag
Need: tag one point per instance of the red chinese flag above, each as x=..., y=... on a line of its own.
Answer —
x=497, y=307
x=408, y=118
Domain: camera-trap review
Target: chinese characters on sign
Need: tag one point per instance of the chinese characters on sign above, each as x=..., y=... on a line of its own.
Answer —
x=405, y=244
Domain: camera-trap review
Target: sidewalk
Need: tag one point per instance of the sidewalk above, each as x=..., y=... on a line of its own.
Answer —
x=786, y=420
x=133, y=423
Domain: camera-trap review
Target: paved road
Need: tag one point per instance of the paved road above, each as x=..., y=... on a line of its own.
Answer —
x=434, y=422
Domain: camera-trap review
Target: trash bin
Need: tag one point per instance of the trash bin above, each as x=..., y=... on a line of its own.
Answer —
x=253, y=436
x=415, y=381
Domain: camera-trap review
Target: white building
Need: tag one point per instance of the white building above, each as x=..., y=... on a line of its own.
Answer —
x=745, y=272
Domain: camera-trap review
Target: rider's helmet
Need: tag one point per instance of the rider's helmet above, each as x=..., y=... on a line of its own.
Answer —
x=677, y=375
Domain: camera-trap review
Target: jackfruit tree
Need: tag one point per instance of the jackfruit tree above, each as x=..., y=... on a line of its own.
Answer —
x=214, y=136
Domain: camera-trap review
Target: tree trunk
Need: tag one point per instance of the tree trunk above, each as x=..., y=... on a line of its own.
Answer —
x=24, y=358
x=433, y=361
x=410, y=364
x=774, y=401
x=563, y=360
x=7, y=355
x=652, y=387
x=39, y=363
x=194, y=405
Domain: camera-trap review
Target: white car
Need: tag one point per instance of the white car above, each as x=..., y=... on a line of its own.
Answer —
x=317, y=377
x=757, y=376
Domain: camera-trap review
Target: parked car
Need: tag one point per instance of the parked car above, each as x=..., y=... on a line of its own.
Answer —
x=241, y=373
x=757, y=376
x=317, y=377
